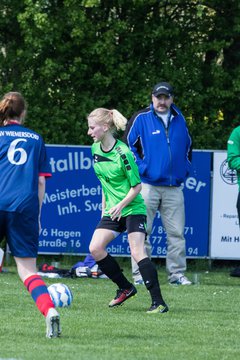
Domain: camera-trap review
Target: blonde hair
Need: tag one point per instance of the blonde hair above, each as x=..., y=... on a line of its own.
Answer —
x=113, y=118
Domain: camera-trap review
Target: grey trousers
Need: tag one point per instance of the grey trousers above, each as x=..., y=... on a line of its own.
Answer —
x=170, y=203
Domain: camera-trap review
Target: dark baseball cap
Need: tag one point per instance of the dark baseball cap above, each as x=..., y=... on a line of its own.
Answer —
x=162, y=88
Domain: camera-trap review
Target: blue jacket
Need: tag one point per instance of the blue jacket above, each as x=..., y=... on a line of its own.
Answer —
x=163, y=155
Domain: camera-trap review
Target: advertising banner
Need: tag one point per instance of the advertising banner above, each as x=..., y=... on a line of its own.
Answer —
x=72, y=206
x=72, y=203
x=225, y=239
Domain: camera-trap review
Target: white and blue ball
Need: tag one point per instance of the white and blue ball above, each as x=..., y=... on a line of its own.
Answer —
x=60, y=294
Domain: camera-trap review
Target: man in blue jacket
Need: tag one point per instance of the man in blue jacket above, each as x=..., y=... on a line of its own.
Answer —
x=159, y=139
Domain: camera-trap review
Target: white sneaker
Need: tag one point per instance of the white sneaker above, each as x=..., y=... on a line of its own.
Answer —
x=180, y=280
x=53, y=323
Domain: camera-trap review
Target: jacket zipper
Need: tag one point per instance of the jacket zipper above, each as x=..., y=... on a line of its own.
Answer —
x=170, y=154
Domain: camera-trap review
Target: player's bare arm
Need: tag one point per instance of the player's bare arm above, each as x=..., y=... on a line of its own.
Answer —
x=115, y=211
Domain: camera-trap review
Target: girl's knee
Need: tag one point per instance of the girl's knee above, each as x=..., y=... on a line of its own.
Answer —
x=138, y=254
x=92, y=249
x=95, y=250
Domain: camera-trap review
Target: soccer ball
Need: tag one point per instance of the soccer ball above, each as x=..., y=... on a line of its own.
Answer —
x=60, y=294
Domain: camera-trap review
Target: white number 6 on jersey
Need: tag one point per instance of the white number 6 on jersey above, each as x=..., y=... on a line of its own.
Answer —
x=13, y=150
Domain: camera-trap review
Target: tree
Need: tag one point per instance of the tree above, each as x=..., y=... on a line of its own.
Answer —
x=68, y=57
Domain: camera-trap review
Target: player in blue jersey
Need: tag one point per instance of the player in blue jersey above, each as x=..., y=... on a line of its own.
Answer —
x=123, y=208
x=23, y=169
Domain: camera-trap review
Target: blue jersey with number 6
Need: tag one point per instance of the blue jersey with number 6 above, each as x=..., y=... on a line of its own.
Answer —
x=22, y=160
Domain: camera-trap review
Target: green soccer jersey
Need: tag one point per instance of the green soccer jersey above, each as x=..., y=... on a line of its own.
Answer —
x=118, y=172
x=233, y=152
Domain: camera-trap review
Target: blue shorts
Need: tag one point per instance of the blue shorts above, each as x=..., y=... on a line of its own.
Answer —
x=131, y=223
x=21, y=231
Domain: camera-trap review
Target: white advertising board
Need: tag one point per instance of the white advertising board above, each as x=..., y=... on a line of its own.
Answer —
x=225, y=234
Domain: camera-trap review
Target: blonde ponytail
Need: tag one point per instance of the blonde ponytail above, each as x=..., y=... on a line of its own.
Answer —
x=113, y=118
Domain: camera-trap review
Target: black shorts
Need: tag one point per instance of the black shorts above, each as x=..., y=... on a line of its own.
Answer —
x=131, y=223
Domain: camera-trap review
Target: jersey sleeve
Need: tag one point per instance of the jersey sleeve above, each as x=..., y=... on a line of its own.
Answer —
x=233, y=150
x=130, y=167
x=44, y=166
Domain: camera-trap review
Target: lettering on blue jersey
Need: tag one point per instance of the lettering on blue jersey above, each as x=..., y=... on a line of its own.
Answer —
x=22, y=155
x=19, y=134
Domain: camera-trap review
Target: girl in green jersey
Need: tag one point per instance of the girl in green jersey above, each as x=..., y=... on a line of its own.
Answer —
x=233, y=158
x=123, y=208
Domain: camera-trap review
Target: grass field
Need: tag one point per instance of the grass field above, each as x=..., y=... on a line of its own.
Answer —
x=203, y=321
